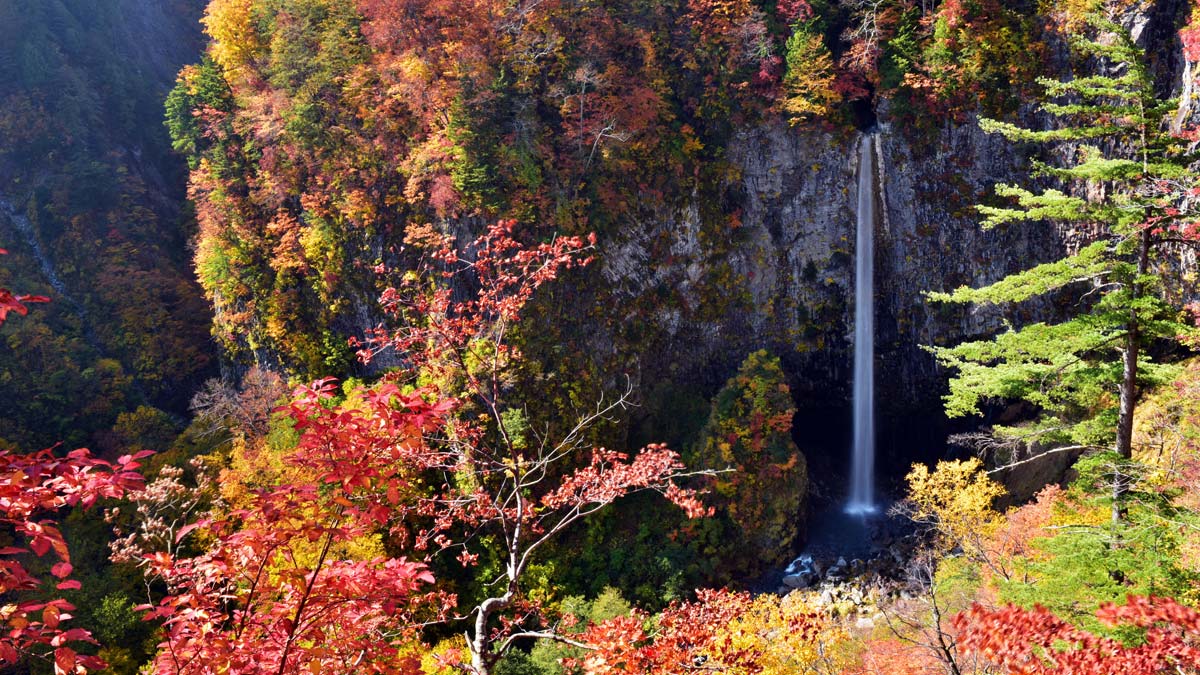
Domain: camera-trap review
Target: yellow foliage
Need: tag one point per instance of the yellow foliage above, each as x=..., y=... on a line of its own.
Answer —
x=414, y=68
x=235, y=41
x=956, y=498
x=790, y=636
x=252, y=466
x=1074, y=513
x=1166, y=436
x=809, y=82
x=1166, y=429
x=438, y=660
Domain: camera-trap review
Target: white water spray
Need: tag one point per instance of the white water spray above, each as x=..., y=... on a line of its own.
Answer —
x=862, y=470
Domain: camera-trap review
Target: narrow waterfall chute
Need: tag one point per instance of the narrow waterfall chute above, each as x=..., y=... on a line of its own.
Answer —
x=862, y=467
x=26, y=231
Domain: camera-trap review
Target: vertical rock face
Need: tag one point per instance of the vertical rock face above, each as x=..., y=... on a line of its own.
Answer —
x=784, y=279
x=930, y=240
x=780, y=279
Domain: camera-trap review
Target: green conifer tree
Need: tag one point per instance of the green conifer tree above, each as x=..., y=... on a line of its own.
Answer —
x=1127, y=175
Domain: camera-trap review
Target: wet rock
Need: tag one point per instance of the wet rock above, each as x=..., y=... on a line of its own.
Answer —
x=800, y=581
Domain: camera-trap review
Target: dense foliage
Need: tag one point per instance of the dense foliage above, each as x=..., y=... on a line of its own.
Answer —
x=762, y=497
x=398, y=207
x=316, y=128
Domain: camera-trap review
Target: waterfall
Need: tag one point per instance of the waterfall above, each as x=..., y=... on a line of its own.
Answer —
x=862, y=471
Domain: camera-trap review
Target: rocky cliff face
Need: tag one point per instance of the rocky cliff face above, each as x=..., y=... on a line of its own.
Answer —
x=780, y=279
x=784, y=279
x=930, y=239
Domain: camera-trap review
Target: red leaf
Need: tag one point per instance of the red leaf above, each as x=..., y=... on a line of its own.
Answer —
x=64, y=661
x=183, y=531
x=40, y=545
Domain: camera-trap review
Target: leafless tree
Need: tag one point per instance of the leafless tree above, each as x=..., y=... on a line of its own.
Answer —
x=921, y=616
x=222, y=406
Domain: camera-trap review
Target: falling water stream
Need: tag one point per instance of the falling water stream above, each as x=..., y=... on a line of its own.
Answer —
x=862, y=469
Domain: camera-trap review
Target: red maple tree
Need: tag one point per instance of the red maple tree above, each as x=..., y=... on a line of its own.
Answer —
x=440, y=473
x=520, y=490
x=33, y=488
x=276, y=592
x=1036, y=642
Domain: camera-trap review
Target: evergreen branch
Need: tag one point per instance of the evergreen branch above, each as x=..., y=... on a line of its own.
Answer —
x=1090, y=263
x=1022, y=135
x=1082, y=85
x=1116, y=169
x=1049, y=205
x=1129, y=114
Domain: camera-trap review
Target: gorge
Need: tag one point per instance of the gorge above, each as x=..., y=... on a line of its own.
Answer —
x=753, y=252
x=450, y=275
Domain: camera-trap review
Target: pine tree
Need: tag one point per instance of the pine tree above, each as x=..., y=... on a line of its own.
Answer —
x=1127, y=176
x=809, y=83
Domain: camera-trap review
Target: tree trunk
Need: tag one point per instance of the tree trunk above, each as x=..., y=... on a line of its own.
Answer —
x=1129, y=373
x=480, y=645
x=1129, y=359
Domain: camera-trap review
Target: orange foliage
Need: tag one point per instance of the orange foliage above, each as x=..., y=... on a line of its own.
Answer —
x=979, y=51
x=1011, y=543
x=890, y=656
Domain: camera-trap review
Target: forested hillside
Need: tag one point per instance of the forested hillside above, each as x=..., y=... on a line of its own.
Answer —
x=518, y=337
x=92, y=213
x=329, y=127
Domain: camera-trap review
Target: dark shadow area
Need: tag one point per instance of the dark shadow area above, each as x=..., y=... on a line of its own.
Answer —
x=863, y=111
x=824, y=434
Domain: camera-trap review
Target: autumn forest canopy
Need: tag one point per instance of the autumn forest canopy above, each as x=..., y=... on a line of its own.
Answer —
x=519, y=337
